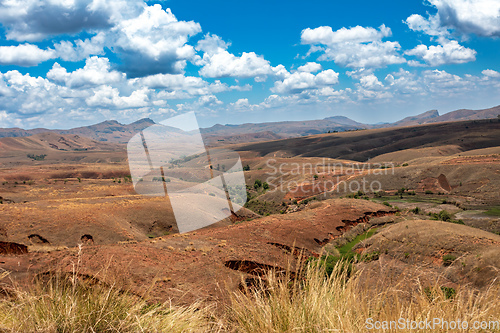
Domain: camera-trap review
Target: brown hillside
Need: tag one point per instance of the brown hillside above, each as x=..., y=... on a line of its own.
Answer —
x=366, y=144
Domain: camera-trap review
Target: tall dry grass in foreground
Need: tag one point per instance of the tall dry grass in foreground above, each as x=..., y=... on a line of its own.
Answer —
x=342, y=304
x=312, y=303
x=63, y=304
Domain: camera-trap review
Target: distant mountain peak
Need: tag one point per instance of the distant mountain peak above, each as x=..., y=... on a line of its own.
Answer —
x=338, y=118
x=342, y=120
x=108, y=122
x=428, y=114
x=143, y=121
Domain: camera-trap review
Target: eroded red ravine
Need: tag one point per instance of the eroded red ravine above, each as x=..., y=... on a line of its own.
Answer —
x=12, y=248
x=349, y=224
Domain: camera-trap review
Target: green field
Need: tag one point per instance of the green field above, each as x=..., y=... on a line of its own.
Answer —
x=494, y=211
x=413, y=199
x=347, y=248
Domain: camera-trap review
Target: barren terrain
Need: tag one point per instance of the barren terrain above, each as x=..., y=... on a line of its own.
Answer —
x=77, y=204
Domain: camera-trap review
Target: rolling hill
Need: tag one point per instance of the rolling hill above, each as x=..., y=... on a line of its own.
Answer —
x=50, y=141
x=432, y=117
x=110, y=131
x=365, y=144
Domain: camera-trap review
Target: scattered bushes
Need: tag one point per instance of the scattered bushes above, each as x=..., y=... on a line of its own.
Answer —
x=357, y=195
x=37, y=157
x=445, y=216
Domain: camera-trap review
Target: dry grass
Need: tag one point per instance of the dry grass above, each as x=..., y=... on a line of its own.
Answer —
x=338, y=304
x=312, y=303
x=73, y=303
x=60, y=305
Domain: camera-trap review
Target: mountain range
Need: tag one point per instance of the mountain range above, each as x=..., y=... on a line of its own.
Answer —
x=111, y=131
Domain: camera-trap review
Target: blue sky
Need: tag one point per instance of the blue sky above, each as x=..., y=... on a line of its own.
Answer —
x=67, y=63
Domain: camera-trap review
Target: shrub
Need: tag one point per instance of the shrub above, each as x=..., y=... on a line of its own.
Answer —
x=340, y=265
x=416, y=210
x=429, y=192
x=246, y=168
x=443, y=292
x=448, y=259
x=444, y=216
x=405, y=164
x=257, y=184
x=387, y=204
x=37, y=157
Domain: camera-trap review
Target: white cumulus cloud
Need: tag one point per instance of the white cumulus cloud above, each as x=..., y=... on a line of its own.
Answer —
x=310, y=67
x=480, y=17
x=157, y=38
x=225, y=64
x=24, y=55
x=449, y=52
x=355, y=47
x=33, y=20
x=491, y=73
x=299, y=82
x=95, y=72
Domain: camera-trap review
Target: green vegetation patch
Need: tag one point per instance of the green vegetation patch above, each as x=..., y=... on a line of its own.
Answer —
x=445, y=216
x=494, y=211
x=412, y=199
x=37, y=157
x=345, y=262
x=347, y=248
